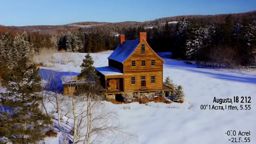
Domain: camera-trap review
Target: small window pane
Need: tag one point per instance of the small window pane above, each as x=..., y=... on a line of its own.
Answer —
x=133, y=80
x=143, y=63
x=133, y=63
x=143, y=81
x=142, y=48
x=153, y=62
x=153, y=79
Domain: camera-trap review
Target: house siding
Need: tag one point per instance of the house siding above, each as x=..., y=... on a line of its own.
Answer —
x=148, y=70
x=158, y=85
x=138, y=57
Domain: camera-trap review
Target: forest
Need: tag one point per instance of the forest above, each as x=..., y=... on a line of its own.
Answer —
x=222, y=40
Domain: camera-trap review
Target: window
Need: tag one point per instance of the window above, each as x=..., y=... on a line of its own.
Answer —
x=133, y=63
x=143, y=63
x=153, y=62
x=142, y=48
x=143, y=81
x=133, y=80
x=153, y=79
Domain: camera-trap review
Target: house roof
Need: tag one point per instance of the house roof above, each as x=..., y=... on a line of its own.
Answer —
x=123, y=51
x=107, y=70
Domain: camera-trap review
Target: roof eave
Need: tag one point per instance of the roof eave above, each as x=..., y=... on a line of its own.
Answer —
x=115, y=60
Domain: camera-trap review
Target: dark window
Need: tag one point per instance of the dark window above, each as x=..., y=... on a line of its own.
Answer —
x=143, y=63
x=143, y=81
x=153, y=79
x=133, y=80
x=153, y=62
x=142, y=48
x=133, y=63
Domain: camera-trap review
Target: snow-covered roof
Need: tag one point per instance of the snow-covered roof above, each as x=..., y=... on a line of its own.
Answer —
x=123, y=51
x=109, y=71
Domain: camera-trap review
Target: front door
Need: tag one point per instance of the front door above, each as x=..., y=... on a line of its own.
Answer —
x=114, y=84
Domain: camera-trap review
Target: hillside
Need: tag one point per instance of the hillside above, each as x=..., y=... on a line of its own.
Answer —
x=87, y=26
x=227, y=40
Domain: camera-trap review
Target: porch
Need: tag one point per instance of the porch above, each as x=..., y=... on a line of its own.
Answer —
x=114, y=84
x=111, y=79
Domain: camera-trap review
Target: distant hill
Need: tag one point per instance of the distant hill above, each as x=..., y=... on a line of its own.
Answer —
x=118, y=26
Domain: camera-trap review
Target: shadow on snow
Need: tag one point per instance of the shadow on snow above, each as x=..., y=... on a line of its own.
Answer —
x=214, y=73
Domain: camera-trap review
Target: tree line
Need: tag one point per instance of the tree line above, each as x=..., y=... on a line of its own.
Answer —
x=79, y=41
x=229, y=41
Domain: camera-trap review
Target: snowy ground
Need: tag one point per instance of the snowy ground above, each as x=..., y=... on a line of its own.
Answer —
x=157, y=123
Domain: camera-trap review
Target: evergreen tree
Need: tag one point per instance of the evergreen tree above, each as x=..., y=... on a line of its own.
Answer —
x=167, y=81
x=14, y=49
x=26, y=123
x=6, y=43
x=175, y=92
x=200, y=38
x=77, y=41
x=249, y=44
x=87, y=69
x=62, y=43
x=68, y=42
x=179, y=50
x=22, y=48
x=170, y=85
x=179, y=95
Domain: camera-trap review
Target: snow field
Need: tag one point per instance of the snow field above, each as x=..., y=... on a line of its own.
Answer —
x=157, y=123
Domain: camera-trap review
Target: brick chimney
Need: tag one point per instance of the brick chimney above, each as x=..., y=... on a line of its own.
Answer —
x=122, y=38
x=143, y=36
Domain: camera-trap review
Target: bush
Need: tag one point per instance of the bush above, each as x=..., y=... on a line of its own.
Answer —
x=179, y=95
x=175, y=91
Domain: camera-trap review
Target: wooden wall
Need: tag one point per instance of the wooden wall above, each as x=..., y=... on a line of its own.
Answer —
x=158, y=85
x=69, y=90
x=138, y=57
x=148, y=70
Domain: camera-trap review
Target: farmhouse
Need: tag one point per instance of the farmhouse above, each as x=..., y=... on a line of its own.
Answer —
x=134, y=69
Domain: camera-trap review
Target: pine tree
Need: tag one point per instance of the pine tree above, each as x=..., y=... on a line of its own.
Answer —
x=87, y=69
x=170, y=85
x=68, y=42
x=179, y=50
x=26, y=123
x=176, y=92
x=6, y=45
x=167, y=81
x=21, y=47
x=77, y=41
x=200, y=37
x=179, y=95
x=249, y=44
x=14, y=49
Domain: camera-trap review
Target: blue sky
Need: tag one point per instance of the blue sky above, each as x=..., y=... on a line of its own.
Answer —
x=44, y=12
